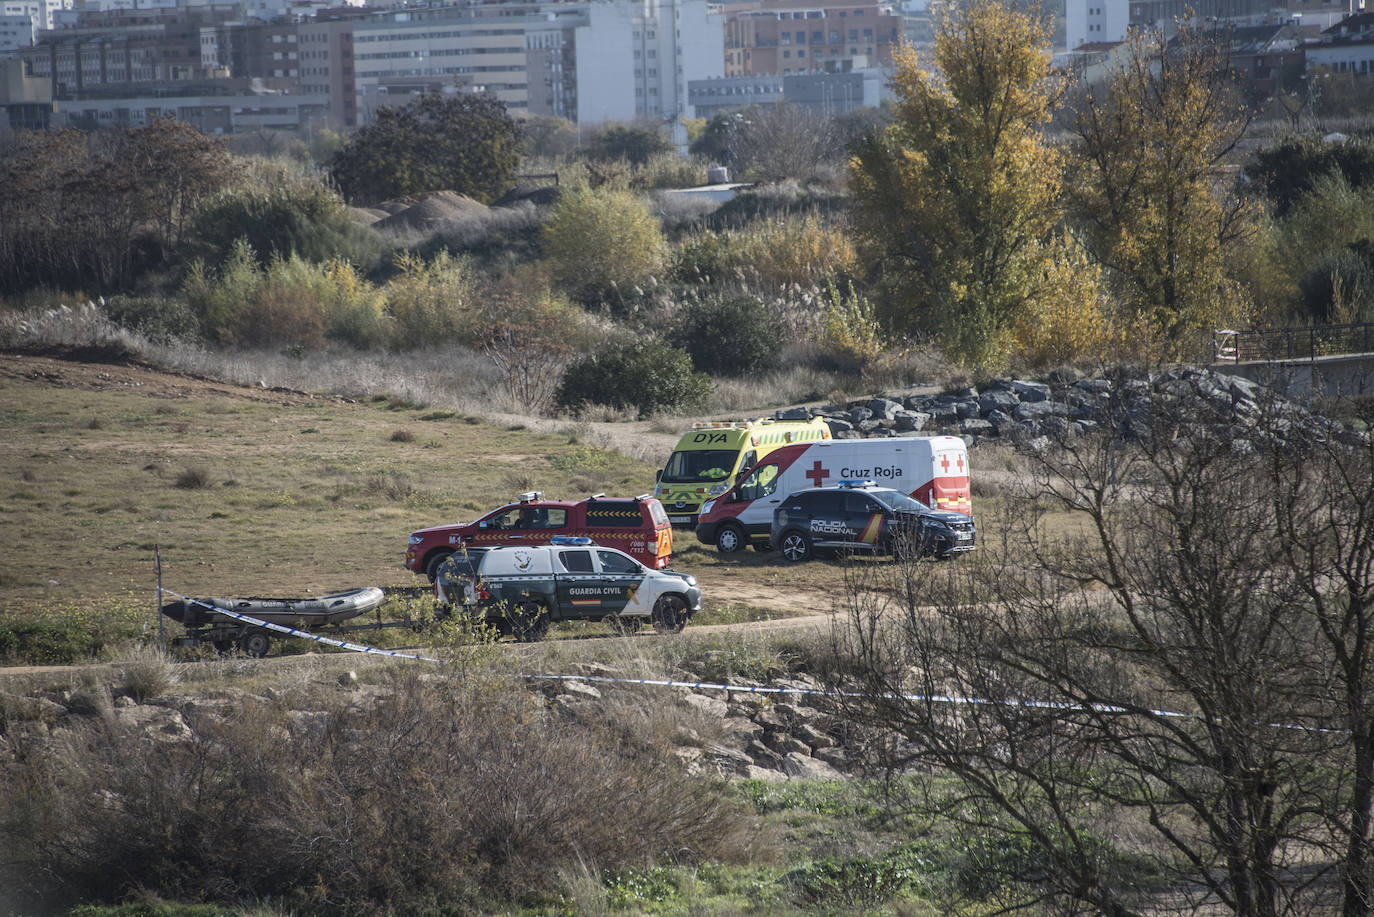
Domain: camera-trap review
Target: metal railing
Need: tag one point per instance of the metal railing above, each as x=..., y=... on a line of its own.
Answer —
x=1307, y=343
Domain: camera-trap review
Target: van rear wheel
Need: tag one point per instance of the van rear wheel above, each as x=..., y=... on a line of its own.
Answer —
x=730, y=539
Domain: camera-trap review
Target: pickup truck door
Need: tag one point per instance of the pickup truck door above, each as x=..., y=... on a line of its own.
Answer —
x=625, y=576
x=581, y=589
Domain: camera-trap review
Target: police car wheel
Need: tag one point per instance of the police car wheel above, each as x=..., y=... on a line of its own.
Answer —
x=255, y=643
x=796, y=546
x=730, y=539
x=530, y=621
x=432, y=568
x=223, y=647
x=670, y=614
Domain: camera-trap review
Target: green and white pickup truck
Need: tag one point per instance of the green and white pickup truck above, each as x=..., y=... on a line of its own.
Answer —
x=522, y=590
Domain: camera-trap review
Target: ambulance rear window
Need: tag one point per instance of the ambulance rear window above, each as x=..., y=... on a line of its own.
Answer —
x=614, y=514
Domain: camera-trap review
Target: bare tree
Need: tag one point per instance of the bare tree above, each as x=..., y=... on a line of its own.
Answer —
x=1157, y=677
x=784, y=141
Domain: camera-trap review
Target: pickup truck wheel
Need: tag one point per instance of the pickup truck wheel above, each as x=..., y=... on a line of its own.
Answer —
x=624, y=625
x=432, y=565
x=530, y=620
x=796, y=546
x=730, y=539
x=255, y=643
x=670, y=614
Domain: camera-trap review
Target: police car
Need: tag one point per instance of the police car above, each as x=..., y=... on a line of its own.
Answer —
x=858, y=515
x=521, y=590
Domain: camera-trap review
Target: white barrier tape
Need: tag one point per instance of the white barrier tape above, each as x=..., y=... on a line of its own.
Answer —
x=291, y=631
x=746, y=689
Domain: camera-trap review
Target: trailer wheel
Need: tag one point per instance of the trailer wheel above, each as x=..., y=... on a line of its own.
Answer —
x=529, y=620
x=670, y=614
x=255, y=643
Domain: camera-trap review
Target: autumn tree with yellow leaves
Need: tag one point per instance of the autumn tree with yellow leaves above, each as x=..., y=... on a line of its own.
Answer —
x=957, y=201
x=1151, y=190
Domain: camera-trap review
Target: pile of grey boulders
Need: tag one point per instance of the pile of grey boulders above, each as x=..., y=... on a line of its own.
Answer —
x=789, y=730
x=1033, y=412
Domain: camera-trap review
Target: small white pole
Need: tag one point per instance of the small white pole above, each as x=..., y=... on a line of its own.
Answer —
x=157, y=568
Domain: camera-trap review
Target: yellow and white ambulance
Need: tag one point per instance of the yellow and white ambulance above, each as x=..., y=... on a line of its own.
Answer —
x=711, y=455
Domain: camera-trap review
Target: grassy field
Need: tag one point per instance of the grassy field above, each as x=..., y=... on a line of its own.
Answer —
x=245, y=491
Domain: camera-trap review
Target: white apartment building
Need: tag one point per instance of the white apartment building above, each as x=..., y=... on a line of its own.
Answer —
x=470, y=48
x=1088, y=22
x=39, y=12
x=620, y=60
x=634, y=58
x=15, y=32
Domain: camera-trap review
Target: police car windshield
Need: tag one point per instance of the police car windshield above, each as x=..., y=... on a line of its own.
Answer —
x=899, y=501
x=694, y=465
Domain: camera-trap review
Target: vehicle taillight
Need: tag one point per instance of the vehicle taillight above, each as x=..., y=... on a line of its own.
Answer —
x=482, y=593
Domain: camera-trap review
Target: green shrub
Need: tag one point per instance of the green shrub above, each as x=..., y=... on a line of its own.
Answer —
x=430, y=302
x=635, y=144
x=850, y=333
x=669, y=170
x=643, y=373
x=601, y=245
x=801, y=251
x=280, y=210
x=291, y=302
x=158, y=318
x=730, y=335
x=856, y=883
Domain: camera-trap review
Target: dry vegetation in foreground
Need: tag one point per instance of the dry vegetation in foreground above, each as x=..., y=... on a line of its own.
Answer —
x=307, y=799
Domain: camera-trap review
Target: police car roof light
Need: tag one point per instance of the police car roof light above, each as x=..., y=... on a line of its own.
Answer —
x=571, y=540
x=530, y=495
x=854, y=482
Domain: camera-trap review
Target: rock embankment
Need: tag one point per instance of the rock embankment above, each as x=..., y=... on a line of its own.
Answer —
x=790, y=730
x=1034, y=413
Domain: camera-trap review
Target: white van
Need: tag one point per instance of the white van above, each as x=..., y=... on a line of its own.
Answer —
x=932, y=469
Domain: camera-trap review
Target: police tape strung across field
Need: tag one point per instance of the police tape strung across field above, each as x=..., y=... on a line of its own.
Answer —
x=742, y=689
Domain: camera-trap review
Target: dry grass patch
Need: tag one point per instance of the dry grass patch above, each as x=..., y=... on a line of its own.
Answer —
x=193, y=479
x=306, y=800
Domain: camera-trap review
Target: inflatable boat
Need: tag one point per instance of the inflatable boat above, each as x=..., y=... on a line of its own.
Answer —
x=302, y=613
